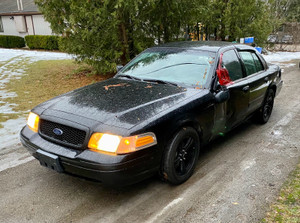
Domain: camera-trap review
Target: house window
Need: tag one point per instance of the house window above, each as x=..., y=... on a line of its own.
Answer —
x=1, y=25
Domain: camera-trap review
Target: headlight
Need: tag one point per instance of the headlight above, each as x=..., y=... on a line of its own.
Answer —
x=33, y=121
x=102, y=142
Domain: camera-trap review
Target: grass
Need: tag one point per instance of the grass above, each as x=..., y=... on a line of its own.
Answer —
x=5, y=117
x=287, y=206
x=44, y=80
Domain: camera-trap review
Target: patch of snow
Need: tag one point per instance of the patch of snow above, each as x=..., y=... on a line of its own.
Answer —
x=282, y=56
x=11, y=152
x=284, y=65
x=6, y=75
x=9, y=134
x=10, y=54
x=12, y=66
x=13, y=156
x=7, y=108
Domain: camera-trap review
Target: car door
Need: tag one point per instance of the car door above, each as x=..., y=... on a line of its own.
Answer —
x=257, y=79
x=235, y=109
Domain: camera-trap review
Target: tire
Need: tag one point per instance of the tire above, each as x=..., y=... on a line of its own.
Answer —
x=181, y=156
x=266, y=110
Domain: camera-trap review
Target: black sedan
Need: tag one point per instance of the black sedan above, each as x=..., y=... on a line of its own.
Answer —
x=155, y=115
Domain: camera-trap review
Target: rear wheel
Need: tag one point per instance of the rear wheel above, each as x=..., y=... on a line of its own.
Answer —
x=267, y=108
x=181, y=156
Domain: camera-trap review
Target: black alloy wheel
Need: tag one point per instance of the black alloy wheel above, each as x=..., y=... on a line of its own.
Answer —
x=181, y=156
x=267, y=108
x=184, y=156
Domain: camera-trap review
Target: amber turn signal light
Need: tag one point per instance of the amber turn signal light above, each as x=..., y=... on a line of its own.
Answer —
x=107, y=143
x=33, y=121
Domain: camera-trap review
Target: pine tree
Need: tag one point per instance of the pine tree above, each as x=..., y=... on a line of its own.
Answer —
x=104, y=33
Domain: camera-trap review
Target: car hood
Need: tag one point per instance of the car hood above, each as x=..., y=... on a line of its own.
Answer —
x=119, y=102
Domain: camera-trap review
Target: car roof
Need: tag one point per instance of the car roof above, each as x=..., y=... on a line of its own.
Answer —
x=205, y=45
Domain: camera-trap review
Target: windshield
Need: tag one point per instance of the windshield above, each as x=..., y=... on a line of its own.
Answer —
x=181, y=66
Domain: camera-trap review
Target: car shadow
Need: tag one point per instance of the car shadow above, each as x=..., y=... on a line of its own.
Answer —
x=208, y=151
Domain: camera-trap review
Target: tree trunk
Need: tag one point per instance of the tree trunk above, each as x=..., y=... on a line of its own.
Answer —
x=216, y=33
x=124, y=41
x=131, y=48
x=222, y=32
x=198, y=32
x=159, y=34
x=166, y=34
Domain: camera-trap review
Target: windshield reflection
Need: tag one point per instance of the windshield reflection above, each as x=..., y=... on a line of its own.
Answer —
x=180, y=66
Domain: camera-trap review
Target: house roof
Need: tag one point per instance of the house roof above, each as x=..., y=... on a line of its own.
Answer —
x=10, y=7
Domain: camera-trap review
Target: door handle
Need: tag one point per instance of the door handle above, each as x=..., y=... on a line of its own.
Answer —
x=246, y=88
x=266, y=79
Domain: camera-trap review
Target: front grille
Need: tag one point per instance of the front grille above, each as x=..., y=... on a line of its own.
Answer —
x=70, y=136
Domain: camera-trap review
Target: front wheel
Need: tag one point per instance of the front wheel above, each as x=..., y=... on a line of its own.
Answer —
x=181, y=156
x=267, y=108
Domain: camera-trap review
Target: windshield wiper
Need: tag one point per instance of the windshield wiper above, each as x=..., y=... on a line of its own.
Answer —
x=129, y=77
x=160, y=82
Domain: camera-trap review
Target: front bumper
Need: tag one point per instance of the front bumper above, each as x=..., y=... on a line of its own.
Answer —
x=117, y=170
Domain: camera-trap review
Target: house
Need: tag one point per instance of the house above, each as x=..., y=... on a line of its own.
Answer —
x=21, y=18
x=288, y=33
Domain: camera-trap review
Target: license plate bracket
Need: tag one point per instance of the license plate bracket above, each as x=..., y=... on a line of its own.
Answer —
x=49, y=160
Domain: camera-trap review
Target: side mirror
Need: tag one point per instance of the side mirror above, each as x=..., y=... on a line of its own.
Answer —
x=119, y=67
x=222, y=96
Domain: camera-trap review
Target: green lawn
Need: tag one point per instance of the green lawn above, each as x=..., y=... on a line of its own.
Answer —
x=44, y=80
x=287, y=207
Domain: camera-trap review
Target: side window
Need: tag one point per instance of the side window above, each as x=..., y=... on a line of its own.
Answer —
x=1, y=25
x=249, y=62
x=232, y=64
x=258, y=64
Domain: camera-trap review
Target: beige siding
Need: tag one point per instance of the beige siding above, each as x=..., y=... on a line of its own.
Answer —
x=34, y=25
x=41, y=27
x=9, y=27
x=20, y=24
x=29, y=24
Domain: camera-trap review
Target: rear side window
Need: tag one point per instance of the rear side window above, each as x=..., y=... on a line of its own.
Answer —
x=249, y=62
x=232, y=64
x=258, y=64
x=252, y=62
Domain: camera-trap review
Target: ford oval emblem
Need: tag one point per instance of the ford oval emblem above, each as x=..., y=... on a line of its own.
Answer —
x=58, y=131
